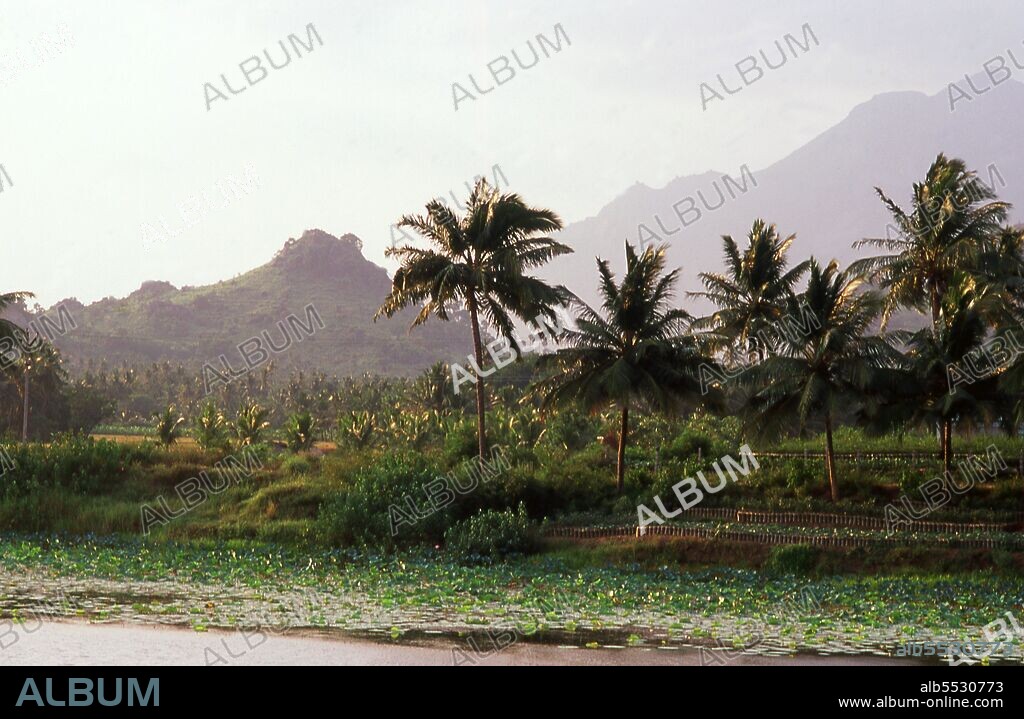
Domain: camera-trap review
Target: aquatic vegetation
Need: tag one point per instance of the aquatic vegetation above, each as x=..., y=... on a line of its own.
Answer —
x=209, y=585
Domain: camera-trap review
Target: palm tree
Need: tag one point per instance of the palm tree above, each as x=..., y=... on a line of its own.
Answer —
x=833, y=367
x=755, y=291
x=168, y=425
x=211, y=427
x=998, y=279
x=478, y=261
x=952, y=217
x=300, y=432
x=634, y=355
x=932, y=400
x=35, y=357
x=433, y=388
x=250, y=423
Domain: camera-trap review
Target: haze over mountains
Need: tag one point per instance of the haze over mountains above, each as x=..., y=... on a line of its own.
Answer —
x=823, y=192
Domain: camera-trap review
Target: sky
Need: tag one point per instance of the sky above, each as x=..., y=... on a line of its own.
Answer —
x=104, y=140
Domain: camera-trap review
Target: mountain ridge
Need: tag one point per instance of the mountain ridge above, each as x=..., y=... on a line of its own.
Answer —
x=195, y=325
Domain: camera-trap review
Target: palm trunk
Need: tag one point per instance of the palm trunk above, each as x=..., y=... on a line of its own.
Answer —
x=24, y=410
x=944, y=428
x=830, y=460
x=478, y=353
x=620, y=465
x=947, y=447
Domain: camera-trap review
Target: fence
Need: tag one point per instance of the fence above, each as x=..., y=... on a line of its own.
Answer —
x=768, y=538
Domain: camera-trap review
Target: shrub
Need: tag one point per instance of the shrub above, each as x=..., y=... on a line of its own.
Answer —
x=460, y=442
x=492, y=535
x=793, y=559
x=571, y=430
x=72, y=462
x=296, y=464
x=380, y=507
x=690, y=444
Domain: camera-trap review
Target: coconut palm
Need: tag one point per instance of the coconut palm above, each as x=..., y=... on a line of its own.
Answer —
x=478, y=262
x=633, y=355
x=937, y=398
x=998, y=279
x=300, y=432
x=250, y=423
x=433, y=388
x=952, y=217
x=754, y=292
x=168, y=425
x=358, y=428
x=211, y=428
x=833, y=367
x=35, y=358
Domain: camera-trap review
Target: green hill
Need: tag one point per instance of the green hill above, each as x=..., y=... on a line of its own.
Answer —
x=195, y=325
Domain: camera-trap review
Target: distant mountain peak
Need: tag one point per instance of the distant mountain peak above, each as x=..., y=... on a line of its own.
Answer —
x=151, y=289
x=317, y=253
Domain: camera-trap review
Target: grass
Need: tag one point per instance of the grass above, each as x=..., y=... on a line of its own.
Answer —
x=851, y=439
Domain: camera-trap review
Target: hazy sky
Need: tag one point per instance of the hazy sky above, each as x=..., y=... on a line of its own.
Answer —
x=114, y=132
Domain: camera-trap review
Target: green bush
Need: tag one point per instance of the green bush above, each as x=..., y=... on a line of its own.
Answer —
x=689, y=444
x=793, y=559
x=492, y=535
x=460, y=443
x=297, y=464
x=571, y=430
x=386, y=506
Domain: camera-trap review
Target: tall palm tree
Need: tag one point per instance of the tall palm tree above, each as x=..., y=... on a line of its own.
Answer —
x=755, y=290
x=478, y=262
x=833, y=367
x=952, y=216
x=635, y=354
